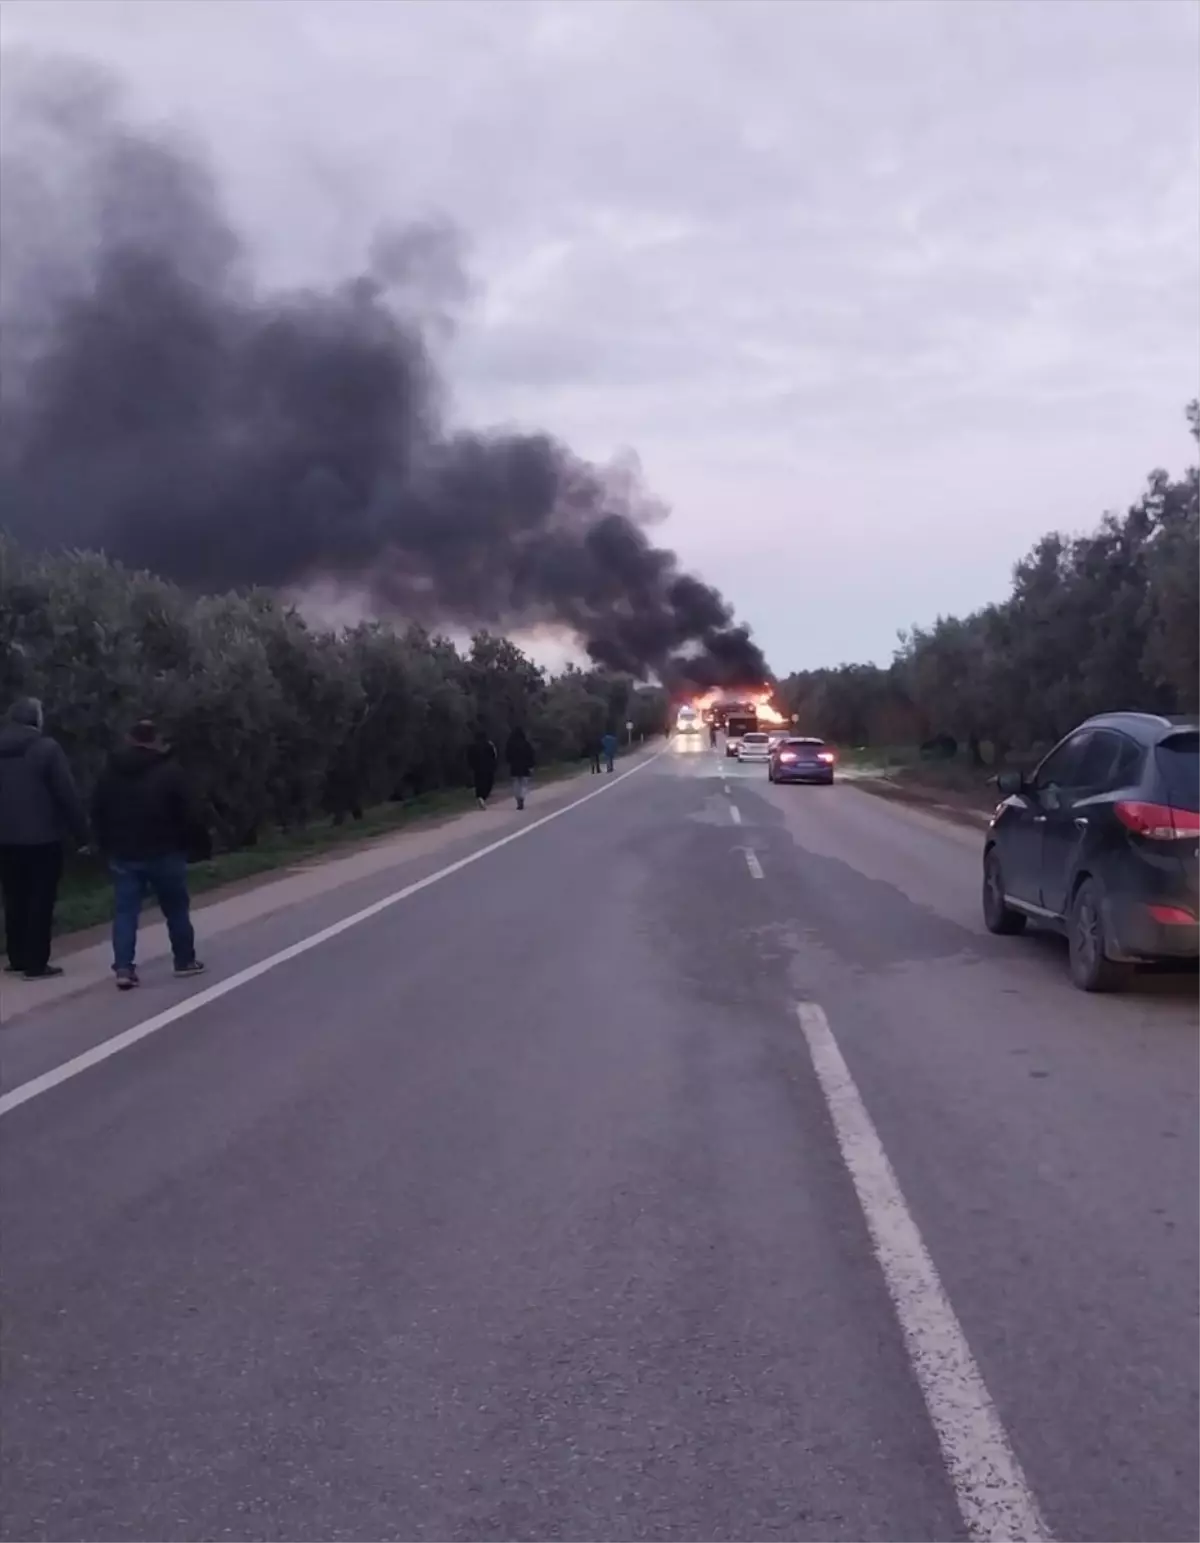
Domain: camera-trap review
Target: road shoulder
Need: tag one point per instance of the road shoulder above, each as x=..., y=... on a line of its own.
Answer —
x=87, y=957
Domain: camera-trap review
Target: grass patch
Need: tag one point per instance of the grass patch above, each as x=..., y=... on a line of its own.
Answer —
x=85, y=896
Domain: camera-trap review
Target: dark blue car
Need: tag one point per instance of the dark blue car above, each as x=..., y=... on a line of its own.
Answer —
x=801, y=759
x=1102, y=843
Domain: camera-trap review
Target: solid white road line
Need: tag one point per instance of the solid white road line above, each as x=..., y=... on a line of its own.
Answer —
x=735, y=814
x=110, y=1047
x=992, y=1493
x=753, y=864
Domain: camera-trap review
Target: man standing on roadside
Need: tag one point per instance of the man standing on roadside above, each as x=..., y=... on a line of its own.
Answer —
x=519, y=755
x=610, y=750
x=144, y=825
x=39, y=806
x=593, y=751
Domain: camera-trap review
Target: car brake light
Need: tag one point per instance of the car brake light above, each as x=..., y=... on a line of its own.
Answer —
x=787, y=755
x=1158, y=822
x=1172, y=915
x=825, y=755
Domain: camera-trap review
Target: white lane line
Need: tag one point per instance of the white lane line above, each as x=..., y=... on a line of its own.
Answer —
x=735, y=814
x=110, y=1047
x=992, y=1492
x=754, y=865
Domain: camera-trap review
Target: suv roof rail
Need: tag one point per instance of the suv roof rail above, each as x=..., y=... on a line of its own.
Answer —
x=1159, y=720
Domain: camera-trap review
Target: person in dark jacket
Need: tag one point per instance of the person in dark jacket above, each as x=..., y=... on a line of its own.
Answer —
x=39, y=808
x=519, y=755
x=592, y=751
x=482, y=757
x=145, y=824
x=610, y=750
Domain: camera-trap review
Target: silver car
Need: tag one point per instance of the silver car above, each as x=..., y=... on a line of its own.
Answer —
x=755, y=747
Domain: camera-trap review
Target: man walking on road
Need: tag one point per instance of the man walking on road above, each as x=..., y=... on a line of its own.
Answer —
x=39, y=806
x=144, y=825
x=519, y=755
x=610, y=750
x=482, y=758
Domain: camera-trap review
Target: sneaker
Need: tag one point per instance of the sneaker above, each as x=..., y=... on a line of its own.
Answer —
x=193, y=967
x=47, y=972
x=520, y=803
x=127, y=979
x=482, y=802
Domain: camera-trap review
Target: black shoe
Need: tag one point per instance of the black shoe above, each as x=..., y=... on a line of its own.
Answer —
x=13, y=969
x=520, y=803
x=127, y=979
x=193, y=967
x=47, y=972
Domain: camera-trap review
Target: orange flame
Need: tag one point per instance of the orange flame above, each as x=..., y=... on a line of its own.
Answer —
x=767, y=711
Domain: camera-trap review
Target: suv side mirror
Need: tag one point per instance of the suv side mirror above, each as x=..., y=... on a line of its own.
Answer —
x=1010, y=782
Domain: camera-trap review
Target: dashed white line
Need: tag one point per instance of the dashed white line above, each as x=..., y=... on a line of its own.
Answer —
x=992, y=1492
x=754, y=865
x=735, y=814
x=110, y=1047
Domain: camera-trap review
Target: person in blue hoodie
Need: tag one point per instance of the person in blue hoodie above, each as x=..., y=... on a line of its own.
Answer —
x=610, y=750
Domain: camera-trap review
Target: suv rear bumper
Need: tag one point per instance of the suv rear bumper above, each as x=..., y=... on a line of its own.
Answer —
x=1134, y=932
x=804, y=774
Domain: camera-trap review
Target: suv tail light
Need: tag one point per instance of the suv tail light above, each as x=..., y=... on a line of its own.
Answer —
x=825, y=755
x=1158, y=822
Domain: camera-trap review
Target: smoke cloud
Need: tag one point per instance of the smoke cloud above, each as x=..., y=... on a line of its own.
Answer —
x=160, y=404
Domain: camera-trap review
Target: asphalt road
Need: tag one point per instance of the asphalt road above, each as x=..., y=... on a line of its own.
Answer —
x=693, y=1166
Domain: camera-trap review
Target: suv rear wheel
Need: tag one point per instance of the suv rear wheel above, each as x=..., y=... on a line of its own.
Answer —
x=998, y=916
x=1091, y=968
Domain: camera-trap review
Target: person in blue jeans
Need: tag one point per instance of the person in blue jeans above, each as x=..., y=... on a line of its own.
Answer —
x=144, y=824
x=610, y=750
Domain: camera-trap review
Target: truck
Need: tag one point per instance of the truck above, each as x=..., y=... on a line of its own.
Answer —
x=738, y=721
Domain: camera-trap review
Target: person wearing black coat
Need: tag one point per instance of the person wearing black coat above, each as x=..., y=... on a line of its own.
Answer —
x=39, y=809
x=145, y=826
x=519, y=755
x=482, y=757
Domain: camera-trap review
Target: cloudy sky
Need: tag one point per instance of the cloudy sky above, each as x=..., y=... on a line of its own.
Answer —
x=877, y=292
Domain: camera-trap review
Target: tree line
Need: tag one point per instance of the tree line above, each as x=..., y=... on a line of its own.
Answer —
x=1092, y=623
x=277, y=722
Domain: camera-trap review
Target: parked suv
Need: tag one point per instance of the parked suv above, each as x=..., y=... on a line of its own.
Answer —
x=1102, y=843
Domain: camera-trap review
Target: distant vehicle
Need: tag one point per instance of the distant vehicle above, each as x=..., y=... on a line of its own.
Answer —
x=801, y=758
x=754, y=746
x=687, y=721
x=736, y=725
x=1102, y=843
x=776, y=737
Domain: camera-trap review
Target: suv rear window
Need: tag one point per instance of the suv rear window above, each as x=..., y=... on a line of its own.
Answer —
x=1179, y=766
x=754, y=739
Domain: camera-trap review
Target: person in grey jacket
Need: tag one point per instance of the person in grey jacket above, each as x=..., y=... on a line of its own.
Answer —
x=39, y=808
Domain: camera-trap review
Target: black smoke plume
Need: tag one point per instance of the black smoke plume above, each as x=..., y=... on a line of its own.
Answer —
x=161, y=405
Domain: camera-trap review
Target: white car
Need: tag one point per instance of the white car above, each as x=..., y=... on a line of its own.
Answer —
x=754, y=747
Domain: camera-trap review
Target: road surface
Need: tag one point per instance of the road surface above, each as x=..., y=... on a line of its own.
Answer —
x=691, y=1166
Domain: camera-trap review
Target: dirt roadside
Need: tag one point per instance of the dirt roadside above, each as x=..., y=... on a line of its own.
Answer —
x=970, y=808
